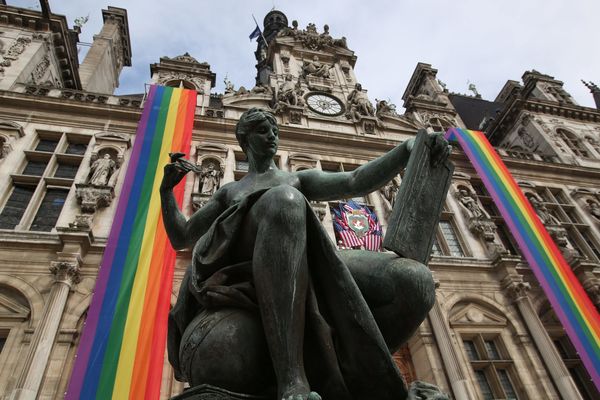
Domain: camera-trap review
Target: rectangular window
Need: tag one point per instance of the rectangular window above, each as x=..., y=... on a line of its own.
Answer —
x=35, y=168
x=49, y=210
x=451, y=239
x=471, y=350
x=76, y=148
x=484, y=385
x=492, y=351
x=241, y=165
x=48, y=145
x=506, y=384
x=15, y=206
x=66, y=171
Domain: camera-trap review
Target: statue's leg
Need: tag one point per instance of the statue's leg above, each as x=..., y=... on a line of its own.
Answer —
x=399, y=291
x=275, y=233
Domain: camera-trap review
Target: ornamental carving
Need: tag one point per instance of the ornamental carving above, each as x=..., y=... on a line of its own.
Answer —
x=385, y=109
x=479, y=221
x=165, y=77
x=40, y=69
x=517, y=290
x=66, y=272
x=359, y=104
x=311, y=39
x=92, y=197
x=17, y=48
x=388, y=195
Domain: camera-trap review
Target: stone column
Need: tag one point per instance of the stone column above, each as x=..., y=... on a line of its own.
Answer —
x=66, y=274
x=441, y=331
x=517, y=290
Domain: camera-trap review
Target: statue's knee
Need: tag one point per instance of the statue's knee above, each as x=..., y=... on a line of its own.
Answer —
x=413, y=283
x=284, y=202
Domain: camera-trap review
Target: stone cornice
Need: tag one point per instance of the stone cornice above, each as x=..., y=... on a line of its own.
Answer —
x=63, y=39
x=502, y=124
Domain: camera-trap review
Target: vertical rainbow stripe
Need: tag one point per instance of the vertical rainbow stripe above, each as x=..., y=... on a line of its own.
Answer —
x=122, y=348
x=568, y=298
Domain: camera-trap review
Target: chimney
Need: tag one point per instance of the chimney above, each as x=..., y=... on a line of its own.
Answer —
x=110, y=52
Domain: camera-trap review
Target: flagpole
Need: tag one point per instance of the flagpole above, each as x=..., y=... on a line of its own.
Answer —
x=261, y=33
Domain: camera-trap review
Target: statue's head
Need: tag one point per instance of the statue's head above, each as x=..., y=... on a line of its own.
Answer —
x=251, y=121
x=358, y=87
x=326, y=28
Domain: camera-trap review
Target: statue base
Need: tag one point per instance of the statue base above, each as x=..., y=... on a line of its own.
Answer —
x=208, y=392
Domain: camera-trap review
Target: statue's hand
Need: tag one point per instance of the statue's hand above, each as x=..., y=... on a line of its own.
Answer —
x=173, y=174
x=425, y=391
x=440, y=148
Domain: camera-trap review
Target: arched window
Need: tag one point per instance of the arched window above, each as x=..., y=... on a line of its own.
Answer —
x=573, y=142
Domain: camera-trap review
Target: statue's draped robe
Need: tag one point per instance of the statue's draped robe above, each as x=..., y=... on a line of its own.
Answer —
x=346, y=356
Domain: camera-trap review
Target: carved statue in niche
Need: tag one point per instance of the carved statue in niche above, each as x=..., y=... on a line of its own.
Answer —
x=470, y=205
x=553, y=226
x=101, y=171
x=479, y=221
x=315, y=68
x=211, y=178
x=388, y=193
x=359, y=104
x=594, y=209
x=542, y=211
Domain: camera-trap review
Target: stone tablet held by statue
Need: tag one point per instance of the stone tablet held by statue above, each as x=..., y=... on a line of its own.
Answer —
x=416, y=214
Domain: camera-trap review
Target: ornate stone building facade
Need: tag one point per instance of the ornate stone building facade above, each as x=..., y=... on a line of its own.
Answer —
x=66, y=141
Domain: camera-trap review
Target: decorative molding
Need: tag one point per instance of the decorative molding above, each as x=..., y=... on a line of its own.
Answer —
x=66, y=272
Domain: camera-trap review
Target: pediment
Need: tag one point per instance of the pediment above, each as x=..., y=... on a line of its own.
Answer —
x=398, y=122
x=12, y=128
x=10, y=309
x=475, y=314
x=112, y=136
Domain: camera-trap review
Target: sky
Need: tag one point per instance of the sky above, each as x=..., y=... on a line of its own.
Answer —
x=485, y=42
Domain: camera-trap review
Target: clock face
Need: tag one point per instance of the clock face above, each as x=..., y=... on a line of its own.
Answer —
x=324, y=104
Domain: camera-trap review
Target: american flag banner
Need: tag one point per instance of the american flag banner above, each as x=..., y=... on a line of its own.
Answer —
x=356, y=226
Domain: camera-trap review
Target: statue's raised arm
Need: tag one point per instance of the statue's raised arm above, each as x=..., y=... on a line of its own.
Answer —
x=319, y=185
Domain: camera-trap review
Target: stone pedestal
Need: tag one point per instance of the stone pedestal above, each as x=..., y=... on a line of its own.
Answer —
x=93, y=197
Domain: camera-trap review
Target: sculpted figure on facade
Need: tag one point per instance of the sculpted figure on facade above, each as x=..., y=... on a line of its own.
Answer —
x=315, y=68
x=594, y=209
x=289, y=94
x=271, y=301
x=359, y=104
x=389, y=192
x=384, y=108
x=471, y=206
x=101, y=171
x=542, y=211
x=211, y=178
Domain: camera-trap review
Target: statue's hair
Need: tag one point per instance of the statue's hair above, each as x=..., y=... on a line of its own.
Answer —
x=249, y=120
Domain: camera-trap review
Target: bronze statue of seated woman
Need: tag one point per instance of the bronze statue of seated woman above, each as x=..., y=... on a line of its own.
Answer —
x=269, y=306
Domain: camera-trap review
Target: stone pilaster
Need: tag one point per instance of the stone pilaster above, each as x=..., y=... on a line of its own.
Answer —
x=517, y=291
x=66, y=274
x=456, y=376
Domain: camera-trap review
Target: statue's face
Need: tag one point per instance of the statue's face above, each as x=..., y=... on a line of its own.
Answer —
x=263, y=140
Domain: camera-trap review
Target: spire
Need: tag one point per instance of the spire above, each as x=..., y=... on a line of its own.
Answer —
x=595, y=90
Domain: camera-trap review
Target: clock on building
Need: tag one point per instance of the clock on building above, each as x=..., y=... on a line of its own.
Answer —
x=324, y=104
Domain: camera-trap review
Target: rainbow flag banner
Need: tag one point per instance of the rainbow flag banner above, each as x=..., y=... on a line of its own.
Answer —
x=121, y=352
x=568, y=298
